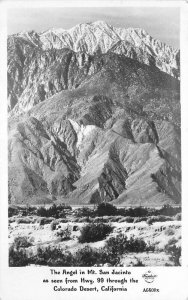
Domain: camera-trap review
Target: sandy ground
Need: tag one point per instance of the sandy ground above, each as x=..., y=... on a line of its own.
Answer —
x=158, y=234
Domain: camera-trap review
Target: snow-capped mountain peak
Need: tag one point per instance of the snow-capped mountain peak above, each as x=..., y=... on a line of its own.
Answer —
x=135, y=43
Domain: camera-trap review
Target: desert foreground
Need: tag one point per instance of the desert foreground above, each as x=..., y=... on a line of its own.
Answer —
x=94, y=236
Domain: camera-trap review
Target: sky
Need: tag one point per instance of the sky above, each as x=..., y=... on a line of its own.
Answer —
x=160, y=22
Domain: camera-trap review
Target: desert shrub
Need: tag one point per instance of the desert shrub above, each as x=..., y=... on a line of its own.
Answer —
x=41, y=221
x=151, y=246
x=120, y=244
x=64, y=234
x=177, y=217
x=149, y=221
x=31, y=209
x=117, y=245
x=169, y=210
x=24, y=221
x=138, y=212
x=171, y=242
x=65, y=207
x=175, y=252
x=61, y=214
x=17, y=257
x=83, y=212
x=53, y=257
x=84, y=220
x=75, y=219
x=121, y=211
x=12, y=219
x=53, y=225
x=122, y=220
x=126, y=219
x=159, y=218
x=41, y=211
x=12, y=211
x=169, y=231
x=133, y=212
x=22, y=242
x=140, y=219
x=115, y=218
x=65, y=259
x=139, y=263
x=104, y=219
x=129, y=219
x=87, y=257
x=52, y=211
x=136, y=245
x=48, y=220
x=22, y=211
x=44, y=220
x=34, y=219
x=94, y=232
x=63, y=220
x=28, y=210
x=84, y=257
x=57, y=211
x=106, y=209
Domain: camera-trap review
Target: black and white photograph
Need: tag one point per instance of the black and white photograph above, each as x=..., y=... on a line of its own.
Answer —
x=94, y=137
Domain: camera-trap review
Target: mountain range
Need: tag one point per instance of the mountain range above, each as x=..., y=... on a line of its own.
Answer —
x=94, y=115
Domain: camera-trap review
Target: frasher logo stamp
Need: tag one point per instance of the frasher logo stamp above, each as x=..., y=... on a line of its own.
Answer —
x=149, y=277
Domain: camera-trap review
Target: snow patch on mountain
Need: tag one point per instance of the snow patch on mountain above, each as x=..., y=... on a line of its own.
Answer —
x=100, y=37
x=81, y=131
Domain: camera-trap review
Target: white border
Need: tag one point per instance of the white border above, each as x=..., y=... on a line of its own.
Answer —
x=25, y=283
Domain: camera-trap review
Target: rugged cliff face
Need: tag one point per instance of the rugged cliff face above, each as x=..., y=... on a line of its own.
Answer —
x=100, y=37
x=41, y=74
x=43, y=64
x=87, y=127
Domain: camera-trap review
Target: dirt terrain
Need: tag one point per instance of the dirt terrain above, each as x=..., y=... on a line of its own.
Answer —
x=65, y=234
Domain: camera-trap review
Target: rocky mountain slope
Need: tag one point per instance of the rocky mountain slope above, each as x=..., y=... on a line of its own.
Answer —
x=88, y=127
x=36, y=60
x=100, y=37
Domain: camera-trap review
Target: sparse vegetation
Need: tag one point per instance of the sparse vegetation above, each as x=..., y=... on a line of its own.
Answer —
x=102, y=210
x=169, y=210
x=136, y=212
x=169, y=231
x=159, y=218
x=64, y=234
x=129, y=219
x=17, y=251
x=97, y=228
x=83, y=212
x=18, y=258
x=22, y=242
x=177, y=217
x=94, y=232
x=24, y=221
x=140, y=219
x=87, y=256
x=53, y=211
x=106, y=209
x=139, y=263
x=53, y=225
x=175, y=253
x=12, y=211
x=120, y=244
x=53, y=257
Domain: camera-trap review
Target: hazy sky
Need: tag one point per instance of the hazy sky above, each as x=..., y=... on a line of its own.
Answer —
x=161, y=23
